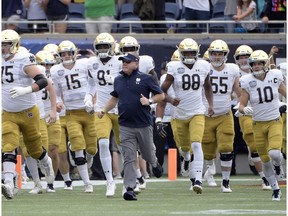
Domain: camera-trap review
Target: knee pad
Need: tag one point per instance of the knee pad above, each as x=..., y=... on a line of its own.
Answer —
x=79, y=161
x=10, y=157
x=255, y=157
x=226, y=156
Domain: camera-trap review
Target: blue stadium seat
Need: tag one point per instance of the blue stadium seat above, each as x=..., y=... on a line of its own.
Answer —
x=218, y=9
x=125, y=27
x=172, y=10
x=77, y=10
x=217, y=27
x=76, y=27
x=127, y=11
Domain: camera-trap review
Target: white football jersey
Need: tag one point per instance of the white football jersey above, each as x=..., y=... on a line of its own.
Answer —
x=13, y=75
x=71, y=84
x=103, y=89
x=264, y=96
x=146, y=64
x=188, y=87
x=222, y=85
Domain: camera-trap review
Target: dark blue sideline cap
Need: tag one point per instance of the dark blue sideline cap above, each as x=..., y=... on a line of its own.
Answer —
x=129, y=57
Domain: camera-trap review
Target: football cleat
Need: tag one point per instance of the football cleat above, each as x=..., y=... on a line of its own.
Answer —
x=50, y=188
x=210, y=179
x=68, y=185
x=37, y=189
x=88, y=188
x=110, y=189
x=8, y=190
x=225, y=187
x=276, y=195
x=142, y=183
x=265, y=184
x=197, y=187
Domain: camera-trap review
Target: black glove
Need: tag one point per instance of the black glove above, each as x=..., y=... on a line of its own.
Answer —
x=160, y=126
x=282, y=109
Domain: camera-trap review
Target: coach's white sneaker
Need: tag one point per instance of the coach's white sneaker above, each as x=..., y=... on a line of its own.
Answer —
x=88, y=188
x=110, y=189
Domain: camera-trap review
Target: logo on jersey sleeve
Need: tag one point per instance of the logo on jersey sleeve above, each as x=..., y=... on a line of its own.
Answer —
x=180, y=70
x=32, y=58
x=60, y=72
x=95, y=66
x=252, y=84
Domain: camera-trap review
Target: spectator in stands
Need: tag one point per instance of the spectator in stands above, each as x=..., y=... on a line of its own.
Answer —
x=274, y=10
x=246, y=11
x=196, y=10
x=229, y=11
x=57, y=10
x=11, y=11
x=151, y=10
x=100, y=10
x=36, y=11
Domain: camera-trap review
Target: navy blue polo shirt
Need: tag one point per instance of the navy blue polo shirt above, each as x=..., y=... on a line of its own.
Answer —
x=128, y=90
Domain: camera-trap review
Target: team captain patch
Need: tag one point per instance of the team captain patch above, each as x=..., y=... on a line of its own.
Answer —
x=60, y=72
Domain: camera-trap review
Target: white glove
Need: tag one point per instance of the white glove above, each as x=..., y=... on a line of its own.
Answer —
x=109, y=79
x=19, y=91
x=237, y=113
x=248, y=110
x=237, y=106
x=88, y=103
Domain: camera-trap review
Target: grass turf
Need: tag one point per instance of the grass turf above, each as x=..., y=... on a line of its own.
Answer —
x=162, y=197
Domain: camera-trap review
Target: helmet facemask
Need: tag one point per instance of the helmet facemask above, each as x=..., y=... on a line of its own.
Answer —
x=217, y=61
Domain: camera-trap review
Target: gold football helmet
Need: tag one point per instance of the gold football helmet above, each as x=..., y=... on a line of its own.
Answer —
x=175, y=56
x=45, y=57
x=243, y=50
x=129, y=44
x=259, y=56
x=53, y=48
x=104, y=39
x=186, y=46
x=67, y=46
x=218, y=46
x=12, y=37
x=23, y=49
x=206, y=56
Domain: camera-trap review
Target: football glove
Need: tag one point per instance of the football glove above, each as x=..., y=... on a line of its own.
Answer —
x=160, y=126
x=248, y=110
x=88, y=103
x=282, y=107
x=109, y=79
x=19, y=91
x=237, y=113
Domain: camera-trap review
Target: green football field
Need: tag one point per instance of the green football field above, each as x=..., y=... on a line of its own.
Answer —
x=162, y=197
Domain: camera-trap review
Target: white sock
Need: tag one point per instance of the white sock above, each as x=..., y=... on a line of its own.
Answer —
x=66, y=177
x=33, y=168
x=198, y=160
x=105, y=158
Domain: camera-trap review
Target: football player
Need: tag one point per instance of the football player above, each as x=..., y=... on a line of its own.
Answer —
x=70, y=80
x=241, y=57
x=261, y=88
x=219, y=129
x=189, y=78
x=103, y=68
x=20, y=79
x=57, y=148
